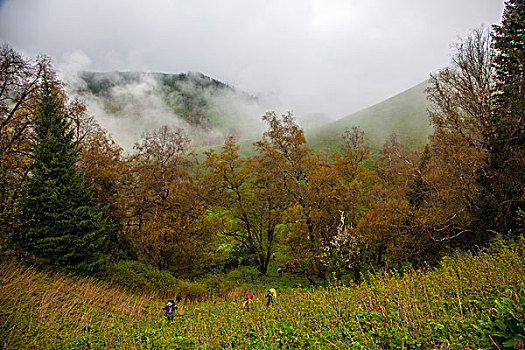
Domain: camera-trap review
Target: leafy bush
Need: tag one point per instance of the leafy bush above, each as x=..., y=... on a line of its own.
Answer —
x=192, y=290
x=141, y=276
x=243, y=274
x=504, y=327
x=217, y=285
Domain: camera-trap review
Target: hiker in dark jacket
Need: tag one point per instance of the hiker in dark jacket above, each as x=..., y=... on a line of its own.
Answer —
x=269, y=296
x=170, y=308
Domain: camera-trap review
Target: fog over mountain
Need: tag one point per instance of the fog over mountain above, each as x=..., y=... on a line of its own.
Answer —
x=129, y=104
x=320, y=59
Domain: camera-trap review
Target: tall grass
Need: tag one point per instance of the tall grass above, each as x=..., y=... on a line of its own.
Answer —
x=428, y=309
x=39, y=310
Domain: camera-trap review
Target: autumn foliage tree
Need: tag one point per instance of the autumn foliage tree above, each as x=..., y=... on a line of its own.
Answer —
x=462, y=115
x=20, y=81
x=165, y=209
x=476, y=168
x=307, y=181
x=249, y=200
x=388, y=224
x=348, y=249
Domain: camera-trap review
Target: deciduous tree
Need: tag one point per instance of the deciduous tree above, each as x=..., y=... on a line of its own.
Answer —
x=20, y=80
x=250, y=198
x=310, y=185
x=462, y=117
x=165, y=209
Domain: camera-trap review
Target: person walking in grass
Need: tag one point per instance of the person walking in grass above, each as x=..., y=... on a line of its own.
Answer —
x=270, y=294
x=169, y=309
x=247, y=301
x=280, y=271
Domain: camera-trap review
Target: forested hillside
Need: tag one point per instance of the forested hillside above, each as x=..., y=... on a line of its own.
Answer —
x=209, y=110
x=184, y=93
x=72, y=200
x=131, y=103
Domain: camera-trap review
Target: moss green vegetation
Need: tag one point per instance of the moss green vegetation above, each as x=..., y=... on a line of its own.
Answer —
x=416, y=309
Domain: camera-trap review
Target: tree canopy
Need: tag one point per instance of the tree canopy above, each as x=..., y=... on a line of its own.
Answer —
x=69, y=196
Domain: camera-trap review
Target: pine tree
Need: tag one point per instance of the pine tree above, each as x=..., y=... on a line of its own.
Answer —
x=62, y=229
x=506, y=184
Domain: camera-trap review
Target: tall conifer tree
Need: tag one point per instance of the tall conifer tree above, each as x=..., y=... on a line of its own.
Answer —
x=506, y=185
x=62, y=229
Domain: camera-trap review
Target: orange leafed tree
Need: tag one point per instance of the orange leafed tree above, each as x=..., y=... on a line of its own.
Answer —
x=166, y=212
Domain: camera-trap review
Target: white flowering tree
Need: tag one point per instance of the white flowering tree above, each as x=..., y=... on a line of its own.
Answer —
x=345, y=252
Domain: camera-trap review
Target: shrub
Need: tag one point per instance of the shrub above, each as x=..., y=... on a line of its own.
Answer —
x=243, y=274
x=192, y=290
x=504, y=327
x=141, y=276
x=217, y=285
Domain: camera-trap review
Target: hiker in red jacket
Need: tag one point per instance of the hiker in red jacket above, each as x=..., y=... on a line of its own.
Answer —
x=247, y=301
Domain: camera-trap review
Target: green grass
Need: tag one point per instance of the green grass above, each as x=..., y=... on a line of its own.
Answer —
x=420, y=309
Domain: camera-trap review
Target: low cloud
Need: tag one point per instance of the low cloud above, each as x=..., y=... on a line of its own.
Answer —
x=134, y=107
x=320, y=58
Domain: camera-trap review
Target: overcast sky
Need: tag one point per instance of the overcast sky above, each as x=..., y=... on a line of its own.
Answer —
x=334, y=56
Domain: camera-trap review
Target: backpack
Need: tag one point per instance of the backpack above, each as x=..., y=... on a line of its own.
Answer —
x=170, y=306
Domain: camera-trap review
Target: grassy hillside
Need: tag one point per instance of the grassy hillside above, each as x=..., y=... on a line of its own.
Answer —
x=404, y=114
x=129, y=103
x=423, y=309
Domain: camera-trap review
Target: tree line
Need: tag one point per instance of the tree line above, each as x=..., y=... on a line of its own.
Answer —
x=72, y=199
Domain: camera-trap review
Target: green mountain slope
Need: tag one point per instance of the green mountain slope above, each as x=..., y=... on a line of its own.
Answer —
x=404, y=114
x=131, y=103
x=185, y=94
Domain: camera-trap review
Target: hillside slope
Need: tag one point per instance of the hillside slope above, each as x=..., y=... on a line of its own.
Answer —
x=185, y=93
x=128, y=104
x=404, y=114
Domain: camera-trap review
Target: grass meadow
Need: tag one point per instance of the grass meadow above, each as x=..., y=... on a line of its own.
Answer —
x=434, y=308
